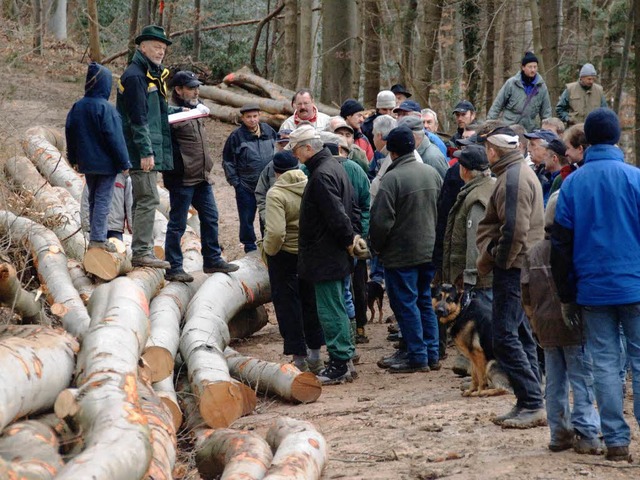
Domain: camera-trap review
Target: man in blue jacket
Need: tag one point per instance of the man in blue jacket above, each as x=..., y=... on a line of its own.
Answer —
x=595, y=262
x=95, y=145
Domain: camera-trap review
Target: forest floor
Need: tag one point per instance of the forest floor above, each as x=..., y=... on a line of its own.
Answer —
x=381, y=426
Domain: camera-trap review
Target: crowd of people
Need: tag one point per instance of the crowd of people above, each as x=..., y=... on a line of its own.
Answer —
x=539, y=224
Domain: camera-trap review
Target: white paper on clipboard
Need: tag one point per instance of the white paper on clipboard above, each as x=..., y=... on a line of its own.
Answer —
x=184, y=116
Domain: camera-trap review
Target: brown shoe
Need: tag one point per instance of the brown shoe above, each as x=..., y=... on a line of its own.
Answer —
x=222, y=267
x=618, y=454
x=527, y=418
x=178, y=277
x=150, y=261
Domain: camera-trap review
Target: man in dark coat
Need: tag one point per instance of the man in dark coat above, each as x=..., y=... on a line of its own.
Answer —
x=96, y=145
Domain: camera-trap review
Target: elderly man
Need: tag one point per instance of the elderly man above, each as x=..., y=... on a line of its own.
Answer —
x=429, y=152
x=465, y=114
x=142, y=103
x=539, y=140
x=189, y=184
x=523, y=97
x=385, y=103
x=430, y=120
x=352, y=112
x=400, y=92
x=305, y=110
x=581, y=98
x=513, y=222
x=402, y=232
x=409, y=108
x=246, y=153
x=325, y=241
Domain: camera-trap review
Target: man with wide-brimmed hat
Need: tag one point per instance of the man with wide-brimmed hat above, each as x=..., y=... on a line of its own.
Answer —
x=142, y=102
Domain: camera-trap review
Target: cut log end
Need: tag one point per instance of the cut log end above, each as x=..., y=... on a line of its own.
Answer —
x=59, y=310
x=66, y=405
x=306, y=388
x=106, y=265
x=160, y=361
x=158, y=252
x=174, y=409
x=221, y=404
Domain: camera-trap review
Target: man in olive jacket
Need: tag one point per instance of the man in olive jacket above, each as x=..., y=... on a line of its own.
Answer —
x=142, y=102
x=402, y=230
x=513, y=223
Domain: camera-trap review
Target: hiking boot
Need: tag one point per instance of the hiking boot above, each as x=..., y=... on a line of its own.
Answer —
x=222, y=267
x=527, y=418
x=618, y=454
x=564, y=440
x=394, y=337
x=335, y=373
x=356, y=358
x=435, y=366
x=360, y=336
x=461, y=366
x=393, y=328
x=150, y=261
x=315, y=366
x=499, y=420
x=106, y=246
x=352, y=369
x=180, y=276
x=386, y=362
x=405, y=366
x=589, y=446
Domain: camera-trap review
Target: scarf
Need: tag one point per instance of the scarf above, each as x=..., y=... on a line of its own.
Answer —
x=313, y=119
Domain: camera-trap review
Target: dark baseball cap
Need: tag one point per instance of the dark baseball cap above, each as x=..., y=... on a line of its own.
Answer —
x=283, y=136
x=546, y=135
x=185, y=78
x=472, y=157
x=464, y=106
x=557, y=146
x=400, y=140
x=408, y=106
x=472, y=140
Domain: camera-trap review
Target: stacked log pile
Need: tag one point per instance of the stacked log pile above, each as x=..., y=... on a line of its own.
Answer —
x=108, y=373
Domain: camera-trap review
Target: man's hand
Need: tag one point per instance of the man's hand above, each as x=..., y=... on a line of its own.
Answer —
x=360, y=249
x=571, y=314
x=203, y=108
x=147, y=163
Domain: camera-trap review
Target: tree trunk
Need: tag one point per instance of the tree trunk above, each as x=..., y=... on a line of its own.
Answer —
x=429, y=29
x=624, y=64
x=51, y=263
x=372, y=25
x=289, y=79
x=285, y=381
x=57, y=23
x=133, y=29
x=489, y=64
x=30, y=450
x=339, y=32
x=107, y=265
x=301, y=451
x=408, y=23
x=196, y=32
x=13, y=296
x=145, y=12
x=205, y=335
x=226, y=97
x=305, y=44
x=233, y=454
x=550, y=25
x=37, y=364
x=256, y=38
x=636, y=43
x=37, y=26
x=470, y=13
x=537, y=33
x=94, y=31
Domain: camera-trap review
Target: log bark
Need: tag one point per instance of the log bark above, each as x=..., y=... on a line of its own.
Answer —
x=159, y=234
x=283, y=380
x=108, y=265
x=301, y=451
x=51, y=263
x=247, y=322
x=206, y=334
x=37, y=364
x=165, y=201
x=233, y=454
x=12, y=295
x=231, y=115
x=81, y=282
x=52, y=165
x=60, y=209
x=167, y=393
x=30, y=450
x=227, y=97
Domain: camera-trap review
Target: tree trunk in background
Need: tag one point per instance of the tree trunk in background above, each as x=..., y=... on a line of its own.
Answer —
x=57, y=23
x=489, y=63
x=145, y=13
x=305, y=44
x=37, y=26
x=429, y=29
x=339, y=30
x=371, y=52
x=624, y=65
x=470, y=12
x=408, y=23
x=290, y=71
x=133, y=28
x=550, y=25
x=536, y=33
x=94, y=31
x=358, y=50
x=636, y=43
x=170, y=8
x=196, y=32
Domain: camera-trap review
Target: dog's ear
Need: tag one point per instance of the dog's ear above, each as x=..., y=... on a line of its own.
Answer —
x=459, y=283
x=437, y=278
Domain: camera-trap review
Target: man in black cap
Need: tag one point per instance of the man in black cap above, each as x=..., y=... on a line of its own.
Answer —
x=400, y=92
x=246, y=153
x=465, y=114
x=142, y=102
x=402, y=231
x=352, y=112
x=523, y=97
x=538, y=142
x=189, y=184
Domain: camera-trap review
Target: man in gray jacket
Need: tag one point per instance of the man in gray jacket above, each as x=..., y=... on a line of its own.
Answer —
x=402, y=231
x=428, y=151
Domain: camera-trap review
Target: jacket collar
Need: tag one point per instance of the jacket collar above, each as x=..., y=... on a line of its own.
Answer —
x=406, y=158
x=467, y=187
x=504, y=162
x=320, y=157
x=603, y=152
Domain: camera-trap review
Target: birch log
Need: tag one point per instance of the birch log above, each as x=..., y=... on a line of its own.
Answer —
x=226, y=97
x=283, y=380
x=165, y=202
x=82, y=283
x=12, y=295
x=301, y=451
x=205, y=335
x=51, y=263
x=59, y=207
x=167, y=393
x=54, y=136
x=37, y=364
x=247, y=322
x=231, y=115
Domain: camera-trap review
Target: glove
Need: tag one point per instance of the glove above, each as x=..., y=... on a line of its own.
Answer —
x=360, y=250
x=571, y=314
x=203, y=108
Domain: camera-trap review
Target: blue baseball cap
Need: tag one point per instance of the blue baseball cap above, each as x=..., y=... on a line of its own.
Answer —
x=408, y=106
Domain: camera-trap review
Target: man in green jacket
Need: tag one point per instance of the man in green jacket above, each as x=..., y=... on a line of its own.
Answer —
x=142, y=102
x=580, y=98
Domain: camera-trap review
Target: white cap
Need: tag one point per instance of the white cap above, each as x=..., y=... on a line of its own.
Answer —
x=386, y=99
x=301, y=134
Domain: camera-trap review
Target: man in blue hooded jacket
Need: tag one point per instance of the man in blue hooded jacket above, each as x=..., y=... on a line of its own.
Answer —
x=95, y=145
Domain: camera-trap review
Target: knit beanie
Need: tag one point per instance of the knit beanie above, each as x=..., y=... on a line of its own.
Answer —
x=386, y=99
x=602, y=126
x=283, y=161
x=529, y=57
x=588, y=70
x=349, y=107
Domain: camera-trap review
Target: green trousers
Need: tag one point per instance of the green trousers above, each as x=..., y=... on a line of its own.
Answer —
x=145, y=202
x=332, y=314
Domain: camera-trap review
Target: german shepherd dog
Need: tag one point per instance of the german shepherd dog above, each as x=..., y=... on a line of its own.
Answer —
x=375, y=294
x=470, y=320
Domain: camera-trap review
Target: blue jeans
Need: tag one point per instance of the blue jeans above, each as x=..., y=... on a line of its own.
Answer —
x=409, y=292
x=348, y=298
x=100, y=195
x=570, y=366
x=603, y=340
x=513, y=344
x=201, y=197
x=376, y=270
x=247, y=207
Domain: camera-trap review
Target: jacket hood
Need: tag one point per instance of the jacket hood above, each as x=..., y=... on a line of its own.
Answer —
x=98, y=82
x=506, y=160
x=292, y=180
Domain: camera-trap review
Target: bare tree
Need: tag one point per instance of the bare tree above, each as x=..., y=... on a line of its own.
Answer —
x=470, y=12
x=57, y=23
x=37, y=26
x=133, y=28
x=408, y=24
x=537, y=36
x=94, y=31
x=489, y=64
x=624, y=64
x=636, y=42
x=145, y=12
x=196, y=31
x=429, y=28
x=290, y=73
x=371, y=51
x=305, y=44
x=550, y=25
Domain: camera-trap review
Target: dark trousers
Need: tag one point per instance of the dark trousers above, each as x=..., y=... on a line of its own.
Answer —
x=201, y=197
x=100, y=195
x=285, y=294
x=513, y=344
x=247, y=207
x=359, y=285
